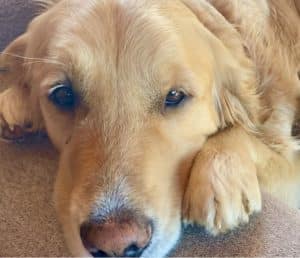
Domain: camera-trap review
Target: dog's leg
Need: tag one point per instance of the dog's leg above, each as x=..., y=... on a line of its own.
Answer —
x=223, y=189
x=16, y=116
x=224, y=185
x=19, y=104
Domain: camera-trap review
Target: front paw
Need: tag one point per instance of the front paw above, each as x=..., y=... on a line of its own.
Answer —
x=14, y=117
x=10, y=132
x=222, y=192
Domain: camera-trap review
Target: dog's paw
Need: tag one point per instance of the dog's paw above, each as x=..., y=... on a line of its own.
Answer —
x=10, y=132
x=14, y=122
x=222, y=192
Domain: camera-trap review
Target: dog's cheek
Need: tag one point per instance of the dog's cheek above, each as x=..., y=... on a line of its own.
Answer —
x=59, y=125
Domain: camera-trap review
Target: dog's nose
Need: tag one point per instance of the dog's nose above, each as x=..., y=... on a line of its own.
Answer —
x=115, y=237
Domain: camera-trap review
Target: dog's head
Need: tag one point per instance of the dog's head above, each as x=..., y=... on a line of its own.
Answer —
x=128, y=91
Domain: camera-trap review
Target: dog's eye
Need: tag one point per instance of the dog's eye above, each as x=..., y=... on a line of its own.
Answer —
x=62, y=95
x=174, y=98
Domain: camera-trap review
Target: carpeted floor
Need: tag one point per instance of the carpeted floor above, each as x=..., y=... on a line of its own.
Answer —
x=28, y=226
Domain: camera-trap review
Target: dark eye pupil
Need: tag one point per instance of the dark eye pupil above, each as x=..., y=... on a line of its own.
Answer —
x=174, y=98
x=62, y=96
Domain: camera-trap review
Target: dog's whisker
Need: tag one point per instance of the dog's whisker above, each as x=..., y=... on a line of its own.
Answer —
x=44, y=62
x=19, y=56
x=33, y=59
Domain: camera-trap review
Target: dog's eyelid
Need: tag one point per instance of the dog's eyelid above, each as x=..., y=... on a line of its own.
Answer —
x=59, y=84
x=176, y=88
x=185, y=89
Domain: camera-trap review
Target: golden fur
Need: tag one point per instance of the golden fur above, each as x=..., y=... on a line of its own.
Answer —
x=205, y=162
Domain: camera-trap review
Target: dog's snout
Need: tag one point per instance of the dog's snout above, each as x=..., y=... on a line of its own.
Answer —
x=114, y=237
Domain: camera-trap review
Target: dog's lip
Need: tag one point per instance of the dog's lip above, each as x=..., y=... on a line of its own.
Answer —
x=4, y=69
x=96, y=253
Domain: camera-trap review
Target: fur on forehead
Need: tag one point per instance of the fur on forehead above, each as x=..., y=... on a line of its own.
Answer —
x=111, y=49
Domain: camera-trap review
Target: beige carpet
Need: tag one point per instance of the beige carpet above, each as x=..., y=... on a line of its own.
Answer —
x=28, y=226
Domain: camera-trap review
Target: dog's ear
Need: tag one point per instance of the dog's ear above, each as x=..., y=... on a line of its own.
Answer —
x=19, y=110
x=235, y=89
x=12, y=62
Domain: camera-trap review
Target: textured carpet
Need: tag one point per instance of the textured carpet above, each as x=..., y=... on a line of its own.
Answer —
x=28, y=225
x=14, y=16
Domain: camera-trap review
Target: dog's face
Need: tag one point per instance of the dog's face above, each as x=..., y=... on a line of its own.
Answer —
x=128, y=91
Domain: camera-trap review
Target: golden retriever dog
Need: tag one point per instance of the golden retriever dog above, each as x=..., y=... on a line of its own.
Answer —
x=164, y=111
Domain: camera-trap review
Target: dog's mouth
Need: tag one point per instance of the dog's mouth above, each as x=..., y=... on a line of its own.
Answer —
x=131, y=251
x=4, y=69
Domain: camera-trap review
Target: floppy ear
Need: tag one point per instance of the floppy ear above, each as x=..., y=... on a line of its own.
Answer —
x=235, y=89
x=235, y=92
x=19, y=112
x=11, y=62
